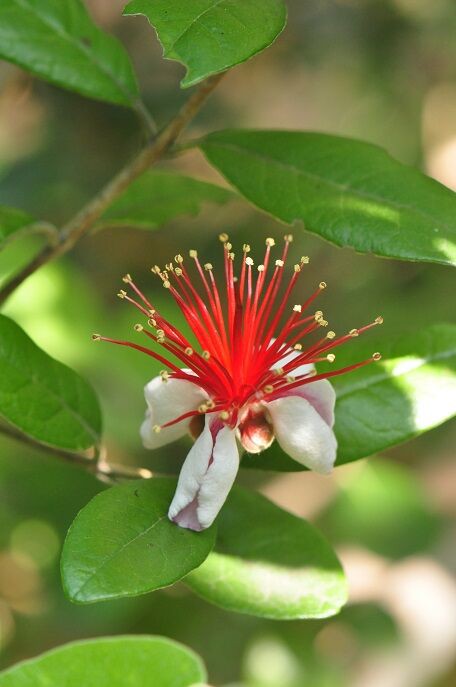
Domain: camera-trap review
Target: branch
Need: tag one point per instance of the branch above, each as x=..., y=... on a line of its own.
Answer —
x=83, y=221
x=98, y=466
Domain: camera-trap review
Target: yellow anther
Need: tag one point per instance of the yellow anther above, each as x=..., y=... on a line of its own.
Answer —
x=246, y=248
x=223, y=237
x=189, y=351
x=138, y=327
x=224, y=415
x=96, y=337
x=305, y=259
x=202, y=408
x=210, y=404
x=323, y=323
x=127, y=279
x=155, y=269
x=288, y=238
x=268, y=389
x=353, y=332
x=298, y=347
x=160, y=335
x=228, y=246
x=206, y=355
x=297, y=268
x=193, y=253
x=208, y=266
x=330, y=357
x=164, y=374
x=279, y=263
x=151, y=322
x=290, y=378
x=152, y=312
x=156, y=429
x=318, y=315
x=270, y=242
x=379, y=320
x=377, y=356
x=260, y=268
x=179, y=259
x=231, y=256
x=122, y=294
x=249, y=262
x=178, y=272
x=330, y=335
x=278, y=371
x=322, y=285
x=297, y=308
x=166, y=284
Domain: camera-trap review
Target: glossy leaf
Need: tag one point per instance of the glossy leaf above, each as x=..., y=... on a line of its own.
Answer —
x=43, y=397
x=269, y=563
x=157, y=197
x=349, y=192
x=111, y=662
x=209, y=36
x=57, y=41
x=410, y=391
x=123, y=544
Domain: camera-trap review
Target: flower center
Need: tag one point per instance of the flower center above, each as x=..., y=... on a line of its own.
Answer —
x=241, y=330
x=255, y=431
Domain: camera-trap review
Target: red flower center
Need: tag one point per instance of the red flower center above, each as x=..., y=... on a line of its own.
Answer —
x=238, y=346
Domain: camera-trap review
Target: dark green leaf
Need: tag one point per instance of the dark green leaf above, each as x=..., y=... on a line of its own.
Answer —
x=209, y=36
x=111, y=662
x=349, y=192
x=58, y=41
x=42, y=397
x=157, y=197
x=16, y=223
x=269, y=563
x=410, y=391
x=122, y=544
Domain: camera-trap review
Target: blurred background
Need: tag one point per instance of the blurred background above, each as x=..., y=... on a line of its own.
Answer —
x=380, y=70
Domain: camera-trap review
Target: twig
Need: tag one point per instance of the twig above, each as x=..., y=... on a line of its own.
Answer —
x=82, y=222
x=100, y=467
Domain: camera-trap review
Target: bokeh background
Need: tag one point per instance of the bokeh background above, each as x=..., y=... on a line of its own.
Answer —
x=380, y=70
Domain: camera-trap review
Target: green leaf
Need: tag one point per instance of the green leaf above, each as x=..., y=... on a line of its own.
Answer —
x=383, y=508
x=111, y=662
x=58, y=42
x=349, y=192
x=42, y=397
x=123, y=544
x=410, y=391
x=157, y=197
x=16, y=223
x=269, y=563
x=209, y=36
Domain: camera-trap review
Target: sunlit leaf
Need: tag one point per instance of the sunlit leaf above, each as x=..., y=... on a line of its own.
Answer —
x=58, y=42
x=123, y=544
x=410, y=391
x=43, y=397
x=157, y=197
x=111, y=662
x=349, y=192
x=209, y=36
x=269, y=563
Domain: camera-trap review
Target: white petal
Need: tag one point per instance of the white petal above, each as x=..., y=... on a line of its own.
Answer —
x=301, y=369
x=206, y=478
x=320, y=394
x=302, y=433
x=166, y=401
